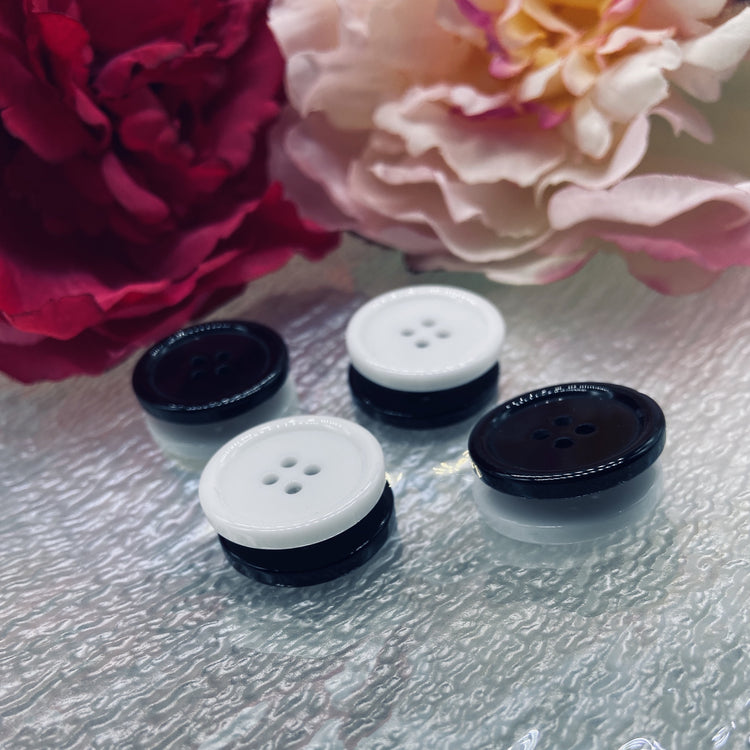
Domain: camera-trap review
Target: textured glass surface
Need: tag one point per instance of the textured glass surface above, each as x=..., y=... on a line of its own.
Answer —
x=123, y=626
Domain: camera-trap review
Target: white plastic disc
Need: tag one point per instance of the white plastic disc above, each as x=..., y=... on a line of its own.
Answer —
x=546, y=522
x=425, y=338
x=292, y=482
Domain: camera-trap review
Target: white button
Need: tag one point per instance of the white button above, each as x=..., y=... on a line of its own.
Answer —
x=425, y=338
x=293, y=482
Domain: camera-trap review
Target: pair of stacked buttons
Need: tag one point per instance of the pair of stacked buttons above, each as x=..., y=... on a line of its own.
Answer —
x=295, y=500
x=568, y=463
x=420, y=357
x=203, y=385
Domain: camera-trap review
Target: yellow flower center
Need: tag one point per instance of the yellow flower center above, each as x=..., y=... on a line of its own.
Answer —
x=524, y=36
x=542, y=32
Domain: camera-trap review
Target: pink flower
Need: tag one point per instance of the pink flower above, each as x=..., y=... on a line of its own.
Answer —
x=514, y=136
x=134, y=191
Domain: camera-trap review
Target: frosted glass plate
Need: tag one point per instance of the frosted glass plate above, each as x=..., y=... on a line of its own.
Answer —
x=123, y=626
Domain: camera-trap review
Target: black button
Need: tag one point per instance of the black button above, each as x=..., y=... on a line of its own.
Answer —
x=211, y=371
x=420, y=410
x=319, y=562
x=567, y=440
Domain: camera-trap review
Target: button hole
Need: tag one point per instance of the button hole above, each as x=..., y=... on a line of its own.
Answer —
x=293, y=488
x=407, y=332
x=222, y=357
x=562, y=421
x=223, y=370
x=198, y=361
x=539, y=435
x=288, y=462
x=422, y=344
x=585, y=429
x=312, y=470
x=563, y=442
x=443, y=334
x=270, y=479
x=428, y=322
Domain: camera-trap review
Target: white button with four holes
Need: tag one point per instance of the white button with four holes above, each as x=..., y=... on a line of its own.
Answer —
x=424, y=340
x=293, y=482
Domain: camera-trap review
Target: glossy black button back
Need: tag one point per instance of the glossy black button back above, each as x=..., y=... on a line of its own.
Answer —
x=567, y=440
x=211, y=371
x=423, y=409
x=316, y=563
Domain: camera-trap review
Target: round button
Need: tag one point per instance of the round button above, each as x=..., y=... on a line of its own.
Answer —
x=425, y=338
x=569, y=440
x=299, y=500
x=292, y=482
x=424, y=356
x=212, y=371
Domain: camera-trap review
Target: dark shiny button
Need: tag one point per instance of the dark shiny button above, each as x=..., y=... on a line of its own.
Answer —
x=203, y=385
x=319, y=562
x=568, y=440
x=211, y=371
x=568, y=463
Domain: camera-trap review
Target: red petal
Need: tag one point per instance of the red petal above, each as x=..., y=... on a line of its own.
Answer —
x=119, y=25
x=146, y=206
x=68, y=43
x=34, y=113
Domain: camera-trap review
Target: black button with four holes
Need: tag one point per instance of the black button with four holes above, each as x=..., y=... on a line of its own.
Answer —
x=567, y=440
x=210, y=372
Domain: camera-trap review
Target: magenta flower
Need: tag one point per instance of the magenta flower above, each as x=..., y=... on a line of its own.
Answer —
x=133, y=163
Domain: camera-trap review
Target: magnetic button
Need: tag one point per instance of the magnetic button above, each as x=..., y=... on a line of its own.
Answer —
x=298, y=500
x=568, y=462
x=424, y=356
x=204, y=384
